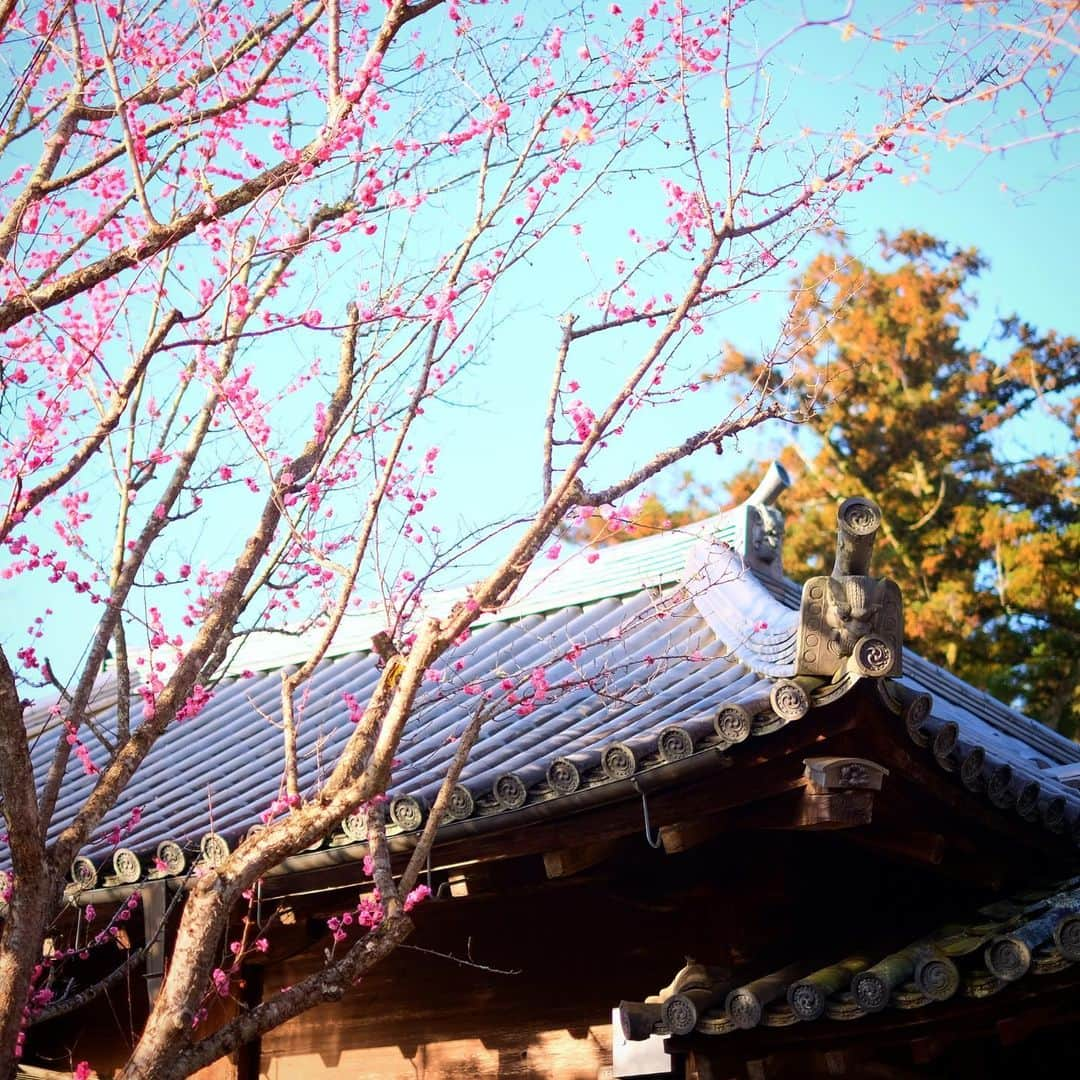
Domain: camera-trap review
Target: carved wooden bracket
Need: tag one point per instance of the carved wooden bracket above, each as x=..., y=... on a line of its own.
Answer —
x=844, y=774
x=851, y=622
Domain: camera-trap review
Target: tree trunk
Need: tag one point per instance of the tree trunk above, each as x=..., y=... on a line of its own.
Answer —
x=20, y=952
x=173, y=1018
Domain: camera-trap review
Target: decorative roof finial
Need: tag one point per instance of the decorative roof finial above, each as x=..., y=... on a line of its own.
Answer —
x=759, y=536
x=857, y=523
x=850, y=621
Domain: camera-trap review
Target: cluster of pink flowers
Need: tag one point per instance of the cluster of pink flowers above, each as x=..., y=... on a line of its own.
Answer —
x=278, y=806
x=196, y=701
x=582, y=418
x=116, y=834
x=81, y=752
x=689, y=213
x=368, y=912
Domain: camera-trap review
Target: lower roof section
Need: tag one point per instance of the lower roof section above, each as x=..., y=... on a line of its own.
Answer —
x=985, y=952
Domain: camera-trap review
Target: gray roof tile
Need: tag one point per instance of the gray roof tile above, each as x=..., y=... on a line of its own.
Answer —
x=628, y=662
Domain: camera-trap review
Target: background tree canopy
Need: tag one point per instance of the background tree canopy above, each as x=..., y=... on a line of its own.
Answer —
x=971, y=453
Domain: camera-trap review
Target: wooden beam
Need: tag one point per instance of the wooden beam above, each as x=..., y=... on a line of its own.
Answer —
x=570, y=861
x=685, y=835
x=802, y=809
x=835, y=810
x=925, y=848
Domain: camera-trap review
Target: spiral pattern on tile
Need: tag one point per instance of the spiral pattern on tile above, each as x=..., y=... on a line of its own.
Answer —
x=807, y=1001
x=870, y=991
x=563, y=776
x=1008, y=958
x=937, y=978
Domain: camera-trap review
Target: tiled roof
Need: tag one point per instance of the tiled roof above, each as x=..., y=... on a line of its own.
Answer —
x=641, y=671
x=1036, y=933
x=622, y=670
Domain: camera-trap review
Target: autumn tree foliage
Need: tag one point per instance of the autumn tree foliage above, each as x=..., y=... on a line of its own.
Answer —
x=249, y=250
x=971, y=452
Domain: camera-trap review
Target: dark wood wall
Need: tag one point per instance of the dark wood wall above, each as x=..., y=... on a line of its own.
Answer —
x=555, y=956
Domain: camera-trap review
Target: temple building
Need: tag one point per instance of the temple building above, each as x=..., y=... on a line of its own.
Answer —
x=739, y=828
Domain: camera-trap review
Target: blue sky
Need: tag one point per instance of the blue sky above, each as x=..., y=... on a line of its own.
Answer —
x=1026, y=228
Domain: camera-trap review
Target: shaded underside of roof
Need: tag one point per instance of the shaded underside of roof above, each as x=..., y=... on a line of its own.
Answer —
x=628, y=681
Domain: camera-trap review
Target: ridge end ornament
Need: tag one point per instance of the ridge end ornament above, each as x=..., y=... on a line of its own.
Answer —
x=760, y=524
x=848, y=620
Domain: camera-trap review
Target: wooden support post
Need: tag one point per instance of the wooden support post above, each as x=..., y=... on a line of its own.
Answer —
x=249, y=1053
x=153, y=899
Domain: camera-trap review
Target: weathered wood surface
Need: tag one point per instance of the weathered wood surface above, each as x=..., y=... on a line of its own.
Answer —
x=559, y=1055
x=689, y=834
x=580, y=944
x=570, y=861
